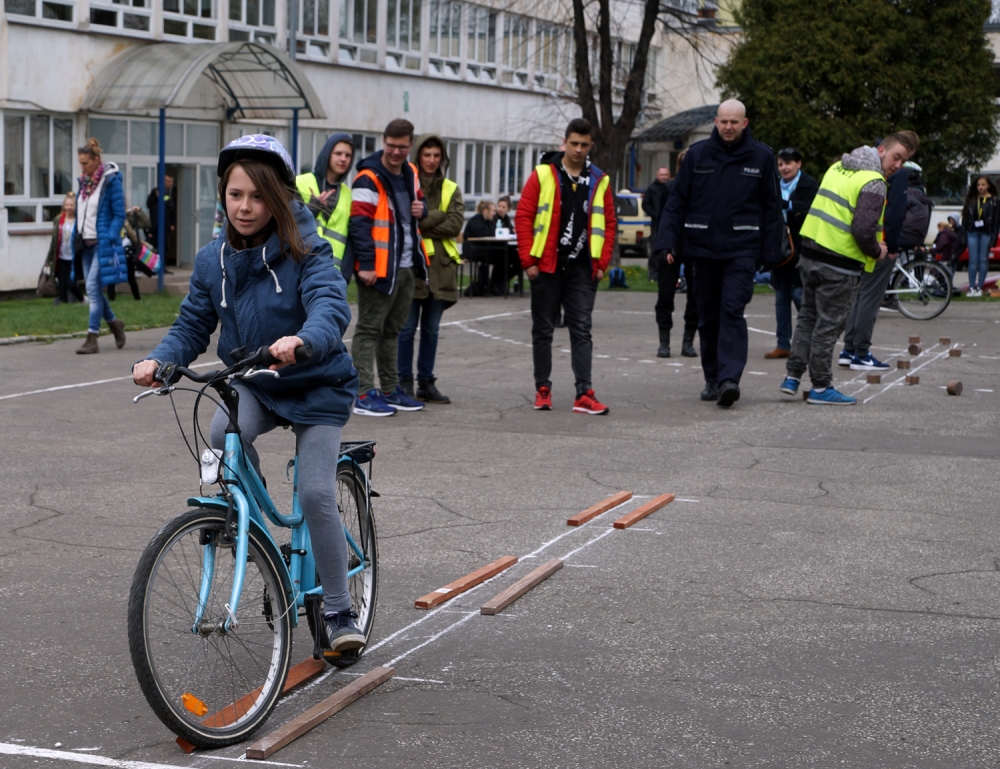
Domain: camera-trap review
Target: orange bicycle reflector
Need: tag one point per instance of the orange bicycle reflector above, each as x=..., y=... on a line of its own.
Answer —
x=193, y=704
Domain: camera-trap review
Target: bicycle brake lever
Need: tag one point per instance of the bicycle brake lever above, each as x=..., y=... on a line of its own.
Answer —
x=147, y=393
x=259, y=372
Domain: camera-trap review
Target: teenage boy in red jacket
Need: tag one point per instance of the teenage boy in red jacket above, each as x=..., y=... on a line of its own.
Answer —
x=565, y=223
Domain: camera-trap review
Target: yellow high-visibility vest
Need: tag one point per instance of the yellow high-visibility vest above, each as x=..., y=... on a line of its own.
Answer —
x=546, y=200
x=332, y=228
x=450, y=247
x=828, y=222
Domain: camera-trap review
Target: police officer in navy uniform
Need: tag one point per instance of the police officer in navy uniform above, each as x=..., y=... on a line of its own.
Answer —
x=727, y=208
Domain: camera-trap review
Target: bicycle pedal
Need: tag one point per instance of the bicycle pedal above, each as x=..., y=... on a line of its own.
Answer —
x=330, y=653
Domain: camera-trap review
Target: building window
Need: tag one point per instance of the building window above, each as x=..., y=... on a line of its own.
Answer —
x=478, y=169
x=547, y=55
x=50, y=11
x=37, y=166
x=314, y=26
x=359, y=28
x=445, y=37
x=126, y=15
x=252, y=20
x=403, y=34
x=515, y=49
x=453, y=149
x=189, y=18
x=511, y=170
x=482, y=48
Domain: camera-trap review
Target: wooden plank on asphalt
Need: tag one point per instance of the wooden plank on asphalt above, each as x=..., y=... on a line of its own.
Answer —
x=317, y=714
x=505, y=598
x=452, y=589
x=601, y=507
x=643, y=510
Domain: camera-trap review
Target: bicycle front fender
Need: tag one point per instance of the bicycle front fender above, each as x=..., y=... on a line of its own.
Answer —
x=264, y=538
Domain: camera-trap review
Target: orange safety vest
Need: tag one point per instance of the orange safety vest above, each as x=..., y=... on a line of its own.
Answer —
x=380, y=227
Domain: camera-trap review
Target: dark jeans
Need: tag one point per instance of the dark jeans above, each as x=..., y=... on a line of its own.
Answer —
x=376, y=337
x=723, y=288
x=787, y=287
x=427, y=313
x=861, y=321
x=827, y=298
x=64, y=280
x=666, y=281
x=572, y=289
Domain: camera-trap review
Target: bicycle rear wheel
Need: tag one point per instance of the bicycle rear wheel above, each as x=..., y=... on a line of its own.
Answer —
x=209, y=685
x=359, y=522
x=922, y=290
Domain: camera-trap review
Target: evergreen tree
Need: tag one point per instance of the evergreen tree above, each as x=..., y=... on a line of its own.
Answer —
x=826, y=76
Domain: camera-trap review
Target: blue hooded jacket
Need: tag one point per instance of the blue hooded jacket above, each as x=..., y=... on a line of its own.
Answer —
x=261, y=295
x=110, y=220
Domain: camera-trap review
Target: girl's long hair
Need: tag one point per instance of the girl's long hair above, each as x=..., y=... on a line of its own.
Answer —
x=278, y=197
x=970, y=199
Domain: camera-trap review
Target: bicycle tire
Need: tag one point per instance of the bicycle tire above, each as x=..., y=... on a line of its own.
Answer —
x=358, y=519
x=212, y=687
x=930, y=298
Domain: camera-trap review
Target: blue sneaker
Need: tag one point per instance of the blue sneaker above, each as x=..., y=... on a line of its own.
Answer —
x=830, y=397
x=868, y=363
x=845, y=358
x=400, y=401
x=790, y=386
x=371, y=404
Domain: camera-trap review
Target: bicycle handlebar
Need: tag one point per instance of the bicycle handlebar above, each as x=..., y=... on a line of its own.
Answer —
x=169, y=373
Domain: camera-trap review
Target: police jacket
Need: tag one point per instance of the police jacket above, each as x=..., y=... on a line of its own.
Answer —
x=725, y=202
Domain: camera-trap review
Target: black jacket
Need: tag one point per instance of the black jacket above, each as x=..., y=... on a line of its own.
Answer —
x=653, y=201
x=725, y=202
x=799, y=203
x=477, y=227
x=990, y=217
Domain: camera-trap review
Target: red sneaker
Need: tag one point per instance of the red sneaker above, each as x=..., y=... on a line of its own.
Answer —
x=588, y=404
x=543, y=399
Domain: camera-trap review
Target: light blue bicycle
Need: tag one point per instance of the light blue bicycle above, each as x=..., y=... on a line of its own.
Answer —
x=214, y=598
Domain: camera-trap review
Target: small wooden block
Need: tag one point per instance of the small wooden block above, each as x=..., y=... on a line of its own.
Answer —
x=902, y=364
x=601, y=507
x=805, y=394
x=914, y=340
x=452, y=589
x=874, y=379
x=944, y=340
x=317, y=714
x=913, y=380
x=643, y=510
x=954, y=387
x=955, y=352
x=914, y=349
x=499, y=602
x=186, y=746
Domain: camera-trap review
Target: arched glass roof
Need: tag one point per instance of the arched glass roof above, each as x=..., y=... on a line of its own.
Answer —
x=254, y=80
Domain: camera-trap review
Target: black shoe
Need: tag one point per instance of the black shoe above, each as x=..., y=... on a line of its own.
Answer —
x=428, y=392
x=729, y=393
x=687, y=349
x=711, y=392
x=342, y=634
x=406, y=385
x=664, y=351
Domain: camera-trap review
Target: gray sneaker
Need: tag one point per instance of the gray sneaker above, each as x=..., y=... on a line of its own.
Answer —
x=342, y=633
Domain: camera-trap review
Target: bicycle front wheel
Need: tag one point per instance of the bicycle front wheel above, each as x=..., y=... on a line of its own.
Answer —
x=359, y=523
x=922, y=290
x=207, y=684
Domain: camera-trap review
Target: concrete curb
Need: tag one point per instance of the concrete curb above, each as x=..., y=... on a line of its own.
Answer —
x=47, y=338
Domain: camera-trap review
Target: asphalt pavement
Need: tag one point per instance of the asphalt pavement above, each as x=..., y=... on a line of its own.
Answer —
x=824, y=591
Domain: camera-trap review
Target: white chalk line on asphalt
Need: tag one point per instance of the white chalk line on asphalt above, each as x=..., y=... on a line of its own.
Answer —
x=89, y=384
x=901, y=380
x=32, y=751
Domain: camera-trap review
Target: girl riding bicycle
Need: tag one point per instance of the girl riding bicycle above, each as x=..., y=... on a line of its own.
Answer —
x=270, y=279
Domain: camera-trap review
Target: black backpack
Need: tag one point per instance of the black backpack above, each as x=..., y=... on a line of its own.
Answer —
x=917, y=218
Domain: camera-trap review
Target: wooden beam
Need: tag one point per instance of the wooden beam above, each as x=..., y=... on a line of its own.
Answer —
x=601, y=507
x=643, y=510
x=499, y=602
x=317, y=714
x=452, y=589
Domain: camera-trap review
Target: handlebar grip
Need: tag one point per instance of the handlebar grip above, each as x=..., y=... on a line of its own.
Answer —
x=167, y=374
x=302, y=354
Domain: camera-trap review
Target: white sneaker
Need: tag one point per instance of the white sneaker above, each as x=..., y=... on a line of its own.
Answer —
x=974, y=292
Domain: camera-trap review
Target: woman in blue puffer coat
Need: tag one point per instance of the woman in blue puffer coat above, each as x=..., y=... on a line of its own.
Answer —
x=100, y=216
x=270, y=279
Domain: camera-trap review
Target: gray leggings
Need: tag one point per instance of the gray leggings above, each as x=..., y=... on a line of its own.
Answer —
x=318, y=448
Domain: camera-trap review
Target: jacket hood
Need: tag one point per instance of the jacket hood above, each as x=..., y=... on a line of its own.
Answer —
x=551, y=158
x=862, y=159
x=445, y=160
x=323, y=159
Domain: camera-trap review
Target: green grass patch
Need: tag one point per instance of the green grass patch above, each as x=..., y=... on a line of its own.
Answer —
x=38, y=317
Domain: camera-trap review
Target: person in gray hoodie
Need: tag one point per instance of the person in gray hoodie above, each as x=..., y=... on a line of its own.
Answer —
x=841, y=238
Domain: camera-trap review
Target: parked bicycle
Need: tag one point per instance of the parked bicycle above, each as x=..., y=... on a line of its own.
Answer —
x=919, y=288
x=215, y=598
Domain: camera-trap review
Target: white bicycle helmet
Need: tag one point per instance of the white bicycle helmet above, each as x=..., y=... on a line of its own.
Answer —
x=260, y=147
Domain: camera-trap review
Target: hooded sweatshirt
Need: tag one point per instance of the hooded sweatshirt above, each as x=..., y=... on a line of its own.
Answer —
x=867, y=212
x=437, y=225
x=319, y=171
